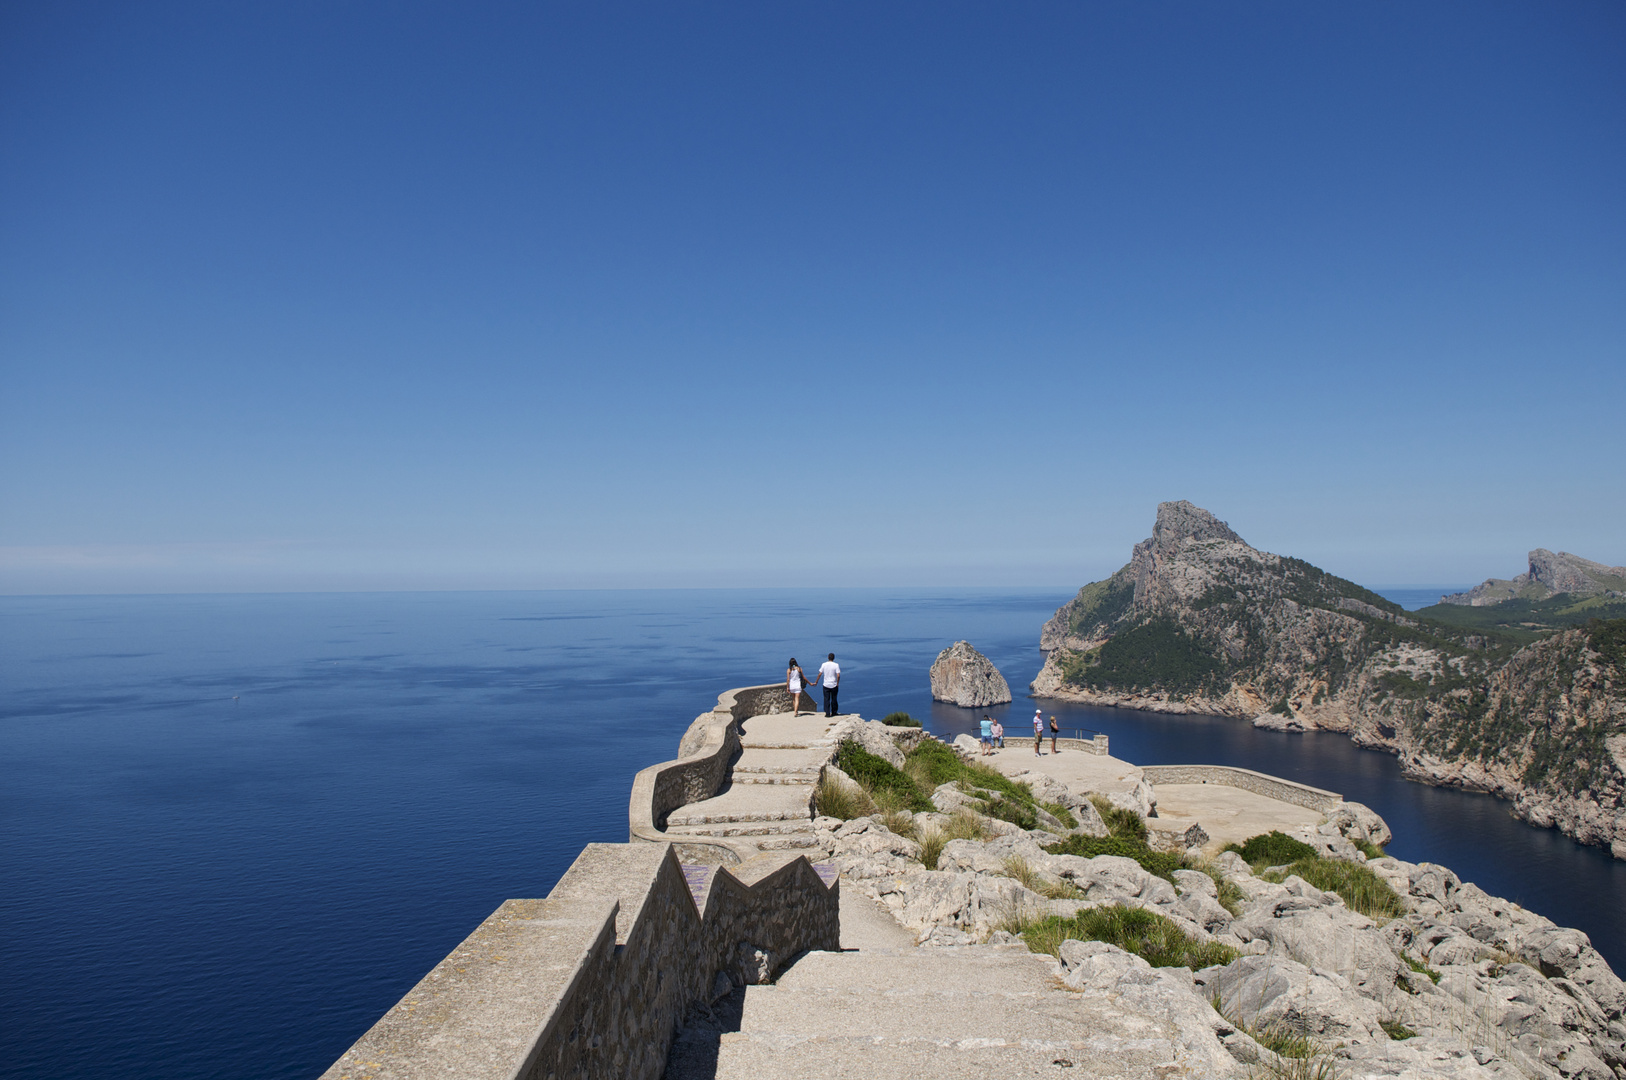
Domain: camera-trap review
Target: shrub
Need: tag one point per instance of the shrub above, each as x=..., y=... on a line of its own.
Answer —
x=1161, y=863
x=1018, y=814
x=1148, y=935
x=899, y=719
x=1361, y=889
x=876, y=775
x=1272, y=849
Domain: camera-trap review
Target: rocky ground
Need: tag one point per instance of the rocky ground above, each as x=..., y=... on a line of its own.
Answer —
x=1474, y=986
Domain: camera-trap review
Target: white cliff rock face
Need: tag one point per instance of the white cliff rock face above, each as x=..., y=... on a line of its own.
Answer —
x=963, y=676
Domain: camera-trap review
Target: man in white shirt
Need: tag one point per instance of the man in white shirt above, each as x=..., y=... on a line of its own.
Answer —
x=830, y=676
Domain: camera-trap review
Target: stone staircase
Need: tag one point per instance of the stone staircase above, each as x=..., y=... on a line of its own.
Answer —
x=768, y=797
x=886, y=1010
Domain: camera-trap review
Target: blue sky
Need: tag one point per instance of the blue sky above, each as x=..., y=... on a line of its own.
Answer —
x=315, y=295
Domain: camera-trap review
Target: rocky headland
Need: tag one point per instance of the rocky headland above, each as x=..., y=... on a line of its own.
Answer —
x=1199, y=621
x=963, y=676
x=1548, y=575
x=1336, y=962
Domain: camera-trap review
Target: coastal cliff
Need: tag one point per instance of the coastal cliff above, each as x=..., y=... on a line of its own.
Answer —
x=1199, y=621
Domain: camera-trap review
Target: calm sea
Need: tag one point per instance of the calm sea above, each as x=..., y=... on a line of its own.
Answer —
x=235, y=829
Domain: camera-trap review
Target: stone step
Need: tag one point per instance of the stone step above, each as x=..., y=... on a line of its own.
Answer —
x=742, y=828
x=689, y=816
x=975, y=1011
x=788, y=842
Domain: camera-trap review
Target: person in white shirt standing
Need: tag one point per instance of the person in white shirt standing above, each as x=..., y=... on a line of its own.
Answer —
x=1038, y=733
x=830, y=676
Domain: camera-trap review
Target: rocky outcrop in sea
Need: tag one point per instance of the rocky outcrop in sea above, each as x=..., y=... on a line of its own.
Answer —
x=963, y=676
x=1199, y=621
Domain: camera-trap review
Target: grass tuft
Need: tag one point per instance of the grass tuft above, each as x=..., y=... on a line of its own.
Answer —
x=1147, y=934
x=1272, y=849
x=1120, y=821
x=1421, y=968
x=1361, y=889
x=899, y=719
x=837, y=800
x=1369, y=849
x=1396, y=1030
x=1161, y=863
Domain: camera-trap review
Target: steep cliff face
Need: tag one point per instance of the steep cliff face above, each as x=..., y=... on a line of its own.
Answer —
x=1199, y=621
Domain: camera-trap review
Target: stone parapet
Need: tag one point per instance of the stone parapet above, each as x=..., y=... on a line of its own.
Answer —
x=592, y=981
x=1272, y=787
x=698, y=772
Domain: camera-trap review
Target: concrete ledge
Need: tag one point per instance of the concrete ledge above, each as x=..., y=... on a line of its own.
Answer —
x=1272, y=787
x=697, y=773
x=593, y=980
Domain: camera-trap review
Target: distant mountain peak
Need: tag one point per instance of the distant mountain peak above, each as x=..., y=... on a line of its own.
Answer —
x=1179, y=521
x=1548, y=574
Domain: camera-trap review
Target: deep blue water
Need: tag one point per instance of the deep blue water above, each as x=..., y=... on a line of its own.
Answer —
x=235, y=829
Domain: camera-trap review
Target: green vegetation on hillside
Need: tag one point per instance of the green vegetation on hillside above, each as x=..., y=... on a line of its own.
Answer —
x=1102, y=603
x=928, y=766
x=899, y=719
x=1158, y=654
x=1526, y=620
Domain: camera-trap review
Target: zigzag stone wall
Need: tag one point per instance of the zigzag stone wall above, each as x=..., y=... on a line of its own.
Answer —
x=593, y=981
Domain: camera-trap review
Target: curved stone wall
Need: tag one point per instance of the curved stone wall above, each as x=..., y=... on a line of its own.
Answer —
x=704, y=755
x=1272, y=787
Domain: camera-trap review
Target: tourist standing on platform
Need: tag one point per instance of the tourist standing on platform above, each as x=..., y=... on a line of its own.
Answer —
x=1055, y=730
x=794, y=681
x=830, y=675
x=1038, y=733
x=987, y=736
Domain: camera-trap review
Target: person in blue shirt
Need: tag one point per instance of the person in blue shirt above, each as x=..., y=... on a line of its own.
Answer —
x=987, y=736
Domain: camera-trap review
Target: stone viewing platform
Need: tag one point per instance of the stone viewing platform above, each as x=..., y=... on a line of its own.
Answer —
x=745, y=933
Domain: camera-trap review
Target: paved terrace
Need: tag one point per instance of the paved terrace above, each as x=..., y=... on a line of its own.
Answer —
x=1227, y=814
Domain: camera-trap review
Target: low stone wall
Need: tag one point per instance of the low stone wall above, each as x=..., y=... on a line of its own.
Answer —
x=1096, y=745
x=1273, y=787
x=593, y=981
x=697, y=773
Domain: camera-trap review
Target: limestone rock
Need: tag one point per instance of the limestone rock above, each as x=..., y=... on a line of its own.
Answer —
x=963, y=676
x=872, y=735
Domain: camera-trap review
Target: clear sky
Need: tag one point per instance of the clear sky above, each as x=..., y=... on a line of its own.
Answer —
x=404, y=295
